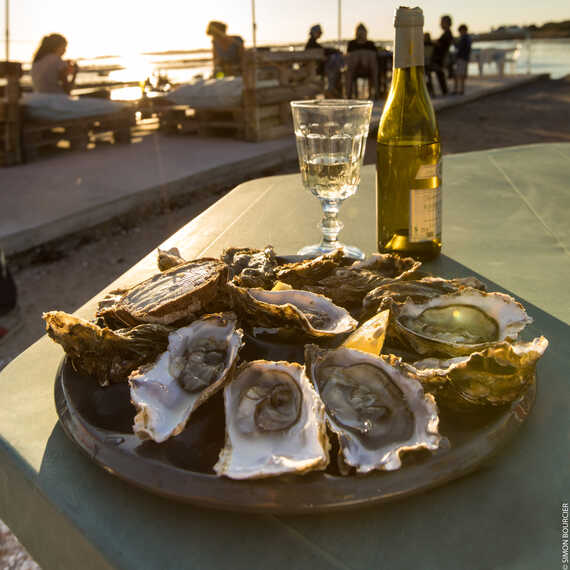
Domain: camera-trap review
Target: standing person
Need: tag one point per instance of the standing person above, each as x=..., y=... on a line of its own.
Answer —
x=50, y=73
x=333, y=62
x=441, y=52
x=227, y=50
x=362, y=61
x=462, y=56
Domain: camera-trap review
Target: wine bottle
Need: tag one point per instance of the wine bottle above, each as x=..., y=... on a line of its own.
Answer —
x=408, y=192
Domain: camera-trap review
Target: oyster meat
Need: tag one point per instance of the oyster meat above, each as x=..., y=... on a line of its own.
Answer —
x=108, y=356
x=495, y=376
x=200, y=359
x=177, y=295
x=274, y=423
x=308, y=312
x=418, y=290
x=458, y=323
x=375, y=407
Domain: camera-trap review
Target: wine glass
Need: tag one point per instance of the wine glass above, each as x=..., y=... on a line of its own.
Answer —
x=331, y=138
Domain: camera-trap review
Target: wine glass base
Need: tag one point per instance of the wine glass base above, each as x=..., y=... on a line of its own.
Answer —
x=350, y=251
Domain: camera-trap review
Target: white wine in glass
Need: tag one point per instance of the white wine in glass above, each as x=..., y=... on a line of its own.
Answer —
x=331, y=138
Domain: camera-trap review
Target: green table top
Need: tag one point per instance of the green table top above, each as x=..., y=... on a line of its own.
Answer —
x=505, y=218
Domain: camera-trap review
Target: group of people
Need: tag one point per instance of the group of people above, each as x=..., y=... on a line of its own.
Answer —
x=363, y=59
x=438, y=58
x=51, y=74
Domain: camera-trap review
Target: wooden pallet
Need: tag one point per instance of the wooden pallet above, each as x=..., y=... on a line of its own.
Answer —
x=265, y=111
x=178, y=119
x=77, y=133
x=22, y=139
x=10, y=115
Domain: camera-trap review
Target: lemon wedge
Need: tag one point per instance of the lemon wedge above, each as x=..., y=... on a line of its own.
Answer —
x=280, y=286
x=369, y=337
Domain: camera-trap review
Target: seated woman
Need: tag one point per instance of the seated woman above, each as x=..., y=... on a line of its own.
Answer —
x=227, y=50
x=50, y=73
x=362, y=61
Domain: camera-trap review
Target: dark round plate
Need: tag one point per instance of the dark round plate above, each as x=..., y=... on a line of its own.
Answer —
x=99, y=421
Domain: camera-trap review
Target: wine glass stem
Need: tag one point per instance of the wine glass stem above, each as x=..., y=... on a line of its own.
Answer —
x=330, y=225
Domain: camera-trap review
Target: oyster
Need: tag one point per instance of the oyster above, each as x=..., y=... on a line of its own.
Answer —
x=274, y=423
x=458, y=323
x=167, y=259
x=495, y=376
x=251, y=267
x=374, y=406
x=310, y=271
x=177, y=295
x=347, y=286
x=109, y=356
x=418, y=290
x=199, y=360
x=313, y=314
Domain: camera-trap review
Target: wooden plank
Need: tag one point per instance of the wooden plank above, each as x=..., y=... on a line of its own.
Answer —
x=284, y=56
x=265, y=111
x=271, y=133
x=10, y=69
x=279, y=94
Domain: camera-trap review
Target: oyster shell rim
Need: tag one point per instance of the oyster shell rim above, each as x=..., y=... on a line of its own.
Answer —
x=164, y=313
x=300, y=319
x=235, y=335
x=390, y=459
x=424, y=344
x=223, y=464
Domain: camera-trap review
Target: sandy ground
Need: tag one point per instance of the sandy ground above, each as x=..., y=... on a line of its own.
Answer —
x=69, y=273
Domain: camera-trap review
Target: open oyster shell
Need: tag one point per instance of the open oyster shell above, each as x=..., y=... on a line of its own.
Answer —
x=495, y=376
x=178, y=294
x=274, y=423
x=308, y=312
x=458, y=323
x=418, y=290
x=107, y=355
x=199, y=360
x=375, y=407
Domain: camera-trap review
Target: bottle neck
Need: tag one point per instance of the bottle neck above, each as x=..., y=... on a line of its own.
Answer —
x=408, y=47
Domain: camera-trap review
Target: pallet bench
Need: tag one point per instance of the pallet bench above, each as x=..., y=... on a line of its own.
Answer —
x=22, y=139
x=264, y=112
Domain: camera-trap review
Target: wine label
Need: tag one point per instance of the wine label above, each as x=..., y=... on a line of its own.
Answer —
x=426, y=171
x=425, y=214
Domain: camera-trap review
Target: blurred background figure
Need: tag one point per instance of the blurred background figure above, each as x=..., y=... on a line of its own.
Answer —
x=334, y=61
x=50, y=73
x=362, y=62
x=227, y=50
x=462, y=55
x=440, y=55
x=10, y=318
x=428, y=51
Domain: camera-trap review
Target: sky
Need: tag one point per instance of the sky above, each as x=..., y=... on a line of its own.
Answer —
x=125, y=27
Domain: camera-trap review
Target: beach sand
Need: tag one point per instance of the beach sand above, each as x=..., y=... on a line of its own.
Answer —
x=68, y=274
